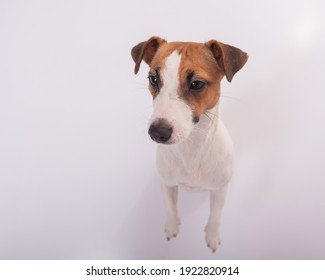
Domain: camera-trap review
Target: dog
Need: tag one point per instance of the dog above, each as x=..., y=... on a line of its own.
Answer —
x=194, y=151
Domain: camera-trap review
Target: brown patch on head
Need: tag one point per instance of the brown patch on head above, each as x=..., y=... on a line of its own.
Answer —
x=145, y=51
x=200, y=78
x=229, y=58
x=201, y=69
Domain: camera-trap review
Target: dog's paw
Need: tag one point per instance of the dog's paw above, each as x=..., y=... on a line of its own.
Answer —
x=172, y=227
x=212, y=237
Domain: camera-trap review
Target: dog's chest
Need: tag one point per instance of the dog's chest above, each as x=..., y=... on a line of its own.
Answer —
x=197, y=167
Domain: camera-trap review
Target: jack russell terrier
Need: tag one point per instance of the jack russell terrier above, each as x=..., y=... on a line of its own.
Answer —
x=195, y=150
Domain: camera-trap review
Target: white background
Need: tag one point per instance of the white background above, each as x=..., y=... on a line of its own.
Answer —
x=77, y=168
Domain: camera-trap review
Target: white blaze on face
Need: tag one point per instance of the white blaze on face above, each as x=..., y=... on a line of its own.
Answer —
x=167, y=104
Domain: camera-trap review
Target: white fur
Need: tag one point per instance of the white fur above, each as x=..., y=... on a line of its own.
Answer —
x=168, y=106
x=201, y=157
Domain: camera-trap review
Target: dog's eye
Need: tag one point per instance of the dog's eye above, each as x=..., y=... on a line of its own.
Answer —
x=197, y=85
x=153, y=80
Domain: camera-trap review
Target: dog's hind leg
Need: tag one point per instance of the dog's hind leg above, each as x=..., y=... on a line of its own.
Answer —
x=172, y=220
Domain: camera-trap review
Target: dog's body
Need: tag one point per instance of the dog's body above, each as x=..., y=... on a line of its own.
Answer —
x=195, y=150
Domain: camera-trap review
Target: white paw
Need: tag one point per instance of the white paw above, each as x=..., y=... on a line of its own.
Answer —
x=172, y=227
x=212, y=237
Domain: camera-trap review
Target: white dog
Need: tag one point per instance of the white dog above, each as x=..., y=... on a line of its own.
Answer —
x=195, y=151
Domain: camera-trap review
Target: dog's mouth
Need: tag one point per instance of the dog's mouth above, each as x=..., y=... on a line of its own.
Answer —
x=163, y=132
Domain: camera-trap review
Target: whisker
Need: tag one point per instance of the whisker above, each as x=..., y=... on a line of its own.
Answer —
x=209, y=112
x=230, y=97
x=208, y=116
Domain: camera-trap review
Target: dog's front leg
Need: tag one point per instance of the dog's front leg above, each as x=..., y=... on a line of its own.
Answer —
x=217, y=199
x=172, y=220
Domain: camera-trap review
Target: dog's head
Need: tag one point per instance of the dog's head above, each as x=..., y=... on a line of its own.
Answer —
x=184, y=80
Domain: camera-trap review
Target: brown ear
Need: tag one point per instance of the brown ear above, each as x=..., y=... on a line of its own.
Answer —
x=229, y=58
x=146, y=51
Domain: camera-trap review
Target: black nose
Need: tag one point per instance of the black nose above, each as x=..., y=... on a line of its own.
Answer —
x=160, y=132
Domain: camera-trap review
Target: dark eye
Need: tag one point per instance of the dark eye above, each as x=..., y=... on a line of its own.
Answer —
x=197, y=85
x=153, y=80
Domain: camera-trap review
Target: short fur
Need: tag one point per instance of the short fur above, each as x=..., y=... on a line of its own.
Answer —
x=195, y=150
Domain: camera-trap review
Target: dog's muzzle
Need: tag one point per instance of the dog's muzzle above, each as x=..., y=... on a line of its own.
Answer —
x=160, y=132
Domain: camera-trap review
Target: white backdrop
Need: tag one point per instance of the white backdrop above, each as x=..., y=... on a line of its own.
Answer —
x=77, y=168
